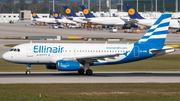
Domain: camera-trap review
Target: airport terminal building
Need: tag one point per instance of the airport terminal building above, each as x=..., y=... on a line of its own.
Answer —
x=152, y=5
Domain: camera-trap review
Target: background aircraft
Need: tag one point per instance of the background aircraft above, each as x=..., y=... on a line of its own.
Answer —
x=68, y=57
x=72, y=16
x=137, y=18
x=60, y=20
x=101, y=20
x=42, y=20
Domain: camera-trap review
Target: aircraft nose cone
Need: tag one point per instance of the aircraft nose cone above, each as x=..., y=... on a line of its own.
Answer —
x=5, y=57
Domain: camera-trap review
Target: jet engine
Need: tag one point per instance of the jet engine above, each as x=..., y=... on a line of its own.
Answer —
x=67, y=65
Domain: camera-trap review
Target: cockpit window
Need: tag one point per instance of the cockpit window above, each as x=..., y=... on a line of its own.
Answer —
x=11, y=49
x=15, y=50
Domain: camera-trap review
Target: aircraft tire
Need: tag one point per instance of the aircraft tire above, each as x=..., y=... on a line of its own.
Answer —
x=28, y=72
x=81, y=71
x=89, y=72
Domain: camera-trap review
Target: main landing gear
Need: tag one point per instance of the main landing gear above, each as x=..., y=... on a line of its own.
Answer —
x=88, y=71
x=28, y=69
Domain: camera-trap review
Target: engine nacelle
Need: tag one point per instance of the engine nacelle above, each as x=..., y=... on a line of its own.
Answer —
x=67, y=65
x=50, y=66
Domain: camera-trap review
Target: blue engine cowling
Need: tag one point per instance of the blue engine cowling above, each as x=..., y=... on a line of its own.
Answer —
x=66, y=65
x=51, y=66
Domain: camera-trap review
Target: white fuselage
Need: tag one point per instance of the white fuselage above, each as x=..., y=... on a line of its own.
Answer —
x=107, y=21
x=149, y=22
x=66, y=21
x=44, y=53
x=78, y=19
x=45, y=20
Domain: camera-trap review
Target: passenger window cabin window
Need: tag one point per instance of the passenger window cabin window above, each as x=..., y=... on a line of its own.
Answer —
x=18, y=50
x=14, y=49
x=4, y=16
x=9, y=16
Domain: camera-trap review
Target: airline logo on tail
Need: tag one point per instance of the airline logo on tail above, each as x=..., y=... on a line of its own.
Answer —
x=86, y=11
x=158, y=32
x=56, y=15
x=34, y=14
x=68, y=11
x=131, y=11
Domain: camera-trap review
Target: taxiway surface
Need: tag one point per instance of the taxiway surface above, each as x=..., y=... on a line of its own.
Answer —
x=97, y=77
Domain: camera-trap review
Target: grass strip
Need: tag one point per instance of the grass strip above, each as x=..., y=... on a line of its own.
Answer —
x=91, y=92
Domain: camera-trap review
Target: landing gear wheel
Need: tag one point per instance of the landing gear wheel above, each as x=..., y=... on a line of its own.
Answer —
x=81, y=71
x=28, y=72
x=89, y=72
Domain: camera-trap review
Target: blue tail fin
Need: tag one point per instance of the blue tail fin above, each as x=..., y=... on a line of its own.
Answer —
x=133, y=14
x=69, y=12
x=158, y=32
x=34, y=15
x=56, y=15
x=86, y=12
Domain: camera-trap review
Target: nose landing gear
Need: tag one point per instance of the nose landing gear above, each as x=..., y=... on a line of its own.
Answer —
x=28, y=69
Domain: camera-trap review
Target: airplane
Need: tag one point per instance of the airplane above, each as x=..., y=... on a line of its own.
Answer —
x=72, y=16
x=42, y=20
x=137, y=18
x=60, y=20
x=77, y=56
x=101, y=20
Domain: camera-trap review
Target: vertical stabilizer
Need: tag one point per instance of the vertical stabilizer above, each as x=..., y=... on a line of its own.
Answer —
x=158, y=32
x=34, y=15
x=133, y=14
x=56, y=15
x=86, y=12
x=69, y=12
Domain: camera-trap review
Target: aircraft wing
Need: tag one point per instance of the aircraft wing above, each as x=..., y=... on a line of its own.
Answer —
x=94, y=58
x=69, y=18
x=87, y=20
x=83, y=59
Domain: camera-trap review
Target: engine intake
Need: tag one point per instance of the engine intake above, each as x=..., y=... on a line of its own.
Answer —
x=66, y=65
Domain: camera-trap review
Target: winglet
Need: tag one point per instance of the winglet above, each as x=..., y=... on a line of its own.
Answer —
x=69, y=12
x=133, y=14
x=158, y=32
x=56, y=15
x=34, y=15
x=86, y=12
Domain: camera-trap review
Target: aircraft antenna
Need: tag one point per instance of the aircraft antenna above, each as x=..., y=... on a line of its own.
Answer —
x=106, y=42
x=30, y=41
